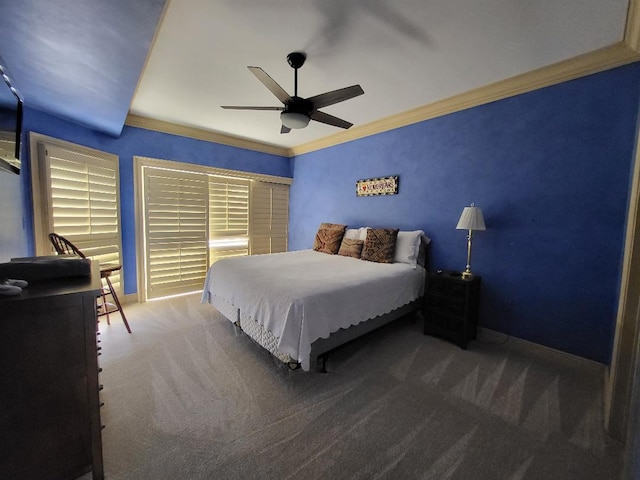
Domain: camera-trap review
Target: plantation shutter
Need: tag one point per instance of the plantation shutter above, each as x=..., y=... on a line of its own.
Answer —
x=8, y=148
x=83, y=202
x=176, y=231
x=228, y=217
x=269, y=217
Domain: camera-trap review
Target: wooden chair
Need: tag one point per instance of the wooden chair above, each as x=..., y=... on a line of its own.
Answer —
x=65, y=247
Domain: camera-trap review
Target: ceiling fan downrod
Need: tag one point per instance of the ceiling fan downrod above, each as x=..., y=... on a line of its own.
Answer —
x=296, y=60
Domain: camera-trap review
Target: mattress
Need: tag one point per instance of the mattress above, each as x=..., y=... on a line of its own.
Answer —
x=305, y=295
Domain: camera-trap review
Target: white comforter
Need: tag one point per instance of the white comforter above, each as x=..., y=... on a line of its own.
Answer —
x=305, y=295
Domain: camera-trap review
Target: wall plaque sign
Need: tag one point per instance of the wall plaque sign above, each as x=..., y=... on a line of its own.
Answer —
x=377, y=186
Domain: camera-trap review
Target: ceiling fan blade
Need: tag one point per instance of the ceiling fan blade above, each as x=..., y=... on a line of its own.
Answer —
x=340, y=95
x=271, y=84
x=329, y=119
x=284, y=129
x=234, y=107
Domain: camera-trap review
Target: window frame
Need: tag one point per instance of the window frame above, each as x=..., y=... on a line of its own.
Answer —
x=41, y=195
x=140, y=162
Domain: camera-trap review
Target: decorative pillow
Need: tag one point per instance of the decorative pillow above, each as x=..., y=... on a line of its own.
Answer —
x=408, y=247
x=333, y=225
x=380, y=245
x=351, y=247
x=329, y=237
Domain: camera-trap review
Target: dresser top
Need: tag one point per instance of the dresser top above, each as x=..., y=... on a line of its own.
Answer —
x=82, y=285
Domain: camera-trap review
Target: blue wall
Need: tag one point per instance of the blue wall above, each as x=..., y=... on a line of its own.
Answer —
x=550, y=170
x=146, y=143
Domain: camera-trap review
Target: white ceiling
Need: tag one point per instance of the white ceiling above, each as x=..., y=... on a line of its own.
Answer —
x=84, y=61
x=404, y=54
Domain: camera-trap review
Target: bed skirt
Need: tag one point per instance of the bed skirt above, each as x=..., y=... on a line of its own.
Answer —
x=322, y=346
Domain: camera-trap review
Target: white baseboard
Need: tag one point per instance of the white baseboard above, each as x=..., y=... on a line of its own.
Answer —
x=128, y=299
x=542, y=351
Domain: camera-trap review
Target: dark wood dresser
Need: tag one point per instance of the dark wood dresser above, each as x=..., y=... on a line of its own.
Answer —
x=49, y=392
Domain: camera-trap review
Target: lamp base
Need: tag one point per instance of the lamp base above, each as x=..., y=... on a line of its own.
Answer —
x=467, y=274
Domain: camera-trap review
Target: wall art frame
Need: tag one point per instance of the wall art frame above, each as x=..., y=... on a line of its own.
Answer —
x=377, y=186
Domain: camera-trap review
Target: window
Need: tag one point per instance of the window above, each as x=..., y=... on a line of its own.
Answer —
x=228, y=217
x=175, y=231
x=269, y=217
x=194, y=216
x=76, y=195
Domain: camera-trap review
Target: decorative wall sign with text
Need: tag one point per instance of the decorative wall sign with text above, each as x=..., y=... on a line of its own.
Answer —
x=377, y=186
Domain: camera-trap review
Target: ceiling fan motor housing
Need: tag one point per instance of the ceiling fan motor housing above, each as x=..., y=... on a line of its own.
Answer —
x=299, y=105
x=296, y=59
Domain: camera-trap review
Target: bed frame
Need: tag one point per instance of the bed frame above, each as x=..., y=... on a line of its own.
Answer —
x=321, y=348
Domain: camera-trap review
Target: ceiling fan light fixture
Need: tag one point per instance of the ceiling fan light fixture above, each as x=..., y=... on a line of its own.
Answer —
x=294, y=119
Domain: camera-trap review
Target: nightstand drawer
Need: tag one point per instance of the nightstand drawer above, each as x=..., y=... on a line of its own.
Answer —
x=444, y=321
x=445, y=305
x=446, y=286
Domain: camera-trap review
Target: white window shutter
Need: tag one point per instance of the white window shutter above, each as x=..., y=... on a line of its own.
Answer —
x=228, y=217
x=83, y=202
x=269, y=217
x=176, y=208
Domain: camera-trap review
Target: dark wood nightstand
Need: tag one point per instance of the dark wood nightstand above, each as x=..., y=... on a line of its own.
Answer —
x=451, y=306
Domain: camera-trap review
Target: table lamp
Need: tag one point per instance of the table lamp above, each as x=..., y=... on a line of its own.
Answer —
x=471, y=219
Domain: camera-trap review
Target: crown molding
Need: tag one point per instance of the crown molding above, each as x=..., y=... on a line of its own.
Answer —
x=616, y=55
x=147, y=123
x=592, y=62
x=632, y=29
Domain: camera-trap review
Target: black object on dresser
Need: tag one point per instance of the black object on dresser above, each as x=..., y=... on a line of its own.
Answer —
x=50, y=417
x=451, y=306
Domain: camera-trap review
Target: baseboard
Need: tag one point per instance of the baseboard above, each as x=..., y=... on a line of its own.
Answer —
x=541, y=351
x=127, y=299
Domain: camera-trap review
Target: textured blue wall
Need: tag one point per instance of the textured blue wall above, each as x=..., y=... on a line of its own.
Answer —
x=550, y=170
x=146, y=143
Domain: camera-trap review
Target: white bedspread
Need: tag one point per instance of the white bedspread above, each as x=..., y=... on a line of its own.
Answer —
x=305, y=295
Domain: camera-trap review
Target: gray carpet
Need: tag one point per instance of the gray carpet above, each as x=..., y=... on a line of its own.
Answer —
x=189, y=396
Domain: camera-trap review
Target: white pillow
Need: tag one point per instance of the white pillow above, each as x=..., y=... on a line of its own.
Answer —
x=356, y=233
x=353, y=233
x=408, y=247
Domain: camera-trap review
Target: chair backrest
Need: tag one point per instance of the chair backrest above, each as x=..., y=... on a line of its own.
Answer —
x=64, y=246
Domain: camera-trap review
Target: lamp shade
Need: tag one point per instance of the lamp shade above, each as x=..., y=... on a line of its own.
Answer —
x=471, y=219
x=294, y=119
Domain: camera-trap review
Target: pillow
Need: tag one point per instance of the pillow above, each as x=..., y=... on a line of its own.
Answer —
x=424, y=248
x=380, y=245
x=357, y=233
x=351, y=247
x=329, y=237
x=333, y=225
x=408, y=247
x=353, y=233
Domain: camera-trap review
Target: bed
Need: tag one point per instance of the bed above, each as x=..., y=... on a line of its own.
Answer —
x=300, y=305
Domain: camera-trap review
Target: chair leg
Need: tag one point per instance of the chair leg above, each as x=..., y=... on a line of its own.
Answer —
x=105, y=306
x=117, y=301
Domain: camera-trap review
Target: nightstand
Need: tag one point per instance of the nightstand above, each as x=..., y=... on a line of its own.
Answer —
x=451, y=306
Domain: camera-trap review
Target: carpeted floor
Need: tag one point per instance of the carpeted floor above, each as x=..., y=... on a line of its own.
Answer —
x=189, y=396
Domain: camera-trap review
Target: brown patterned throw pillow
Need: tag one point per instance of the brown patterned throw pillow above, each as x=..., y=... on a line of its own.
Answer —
x=351, y=247
x=380, y=245
x=329, y=237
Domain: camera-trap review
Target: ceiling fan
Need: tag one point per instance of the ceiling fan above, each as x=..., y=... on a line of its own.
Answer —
x=297, y=111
